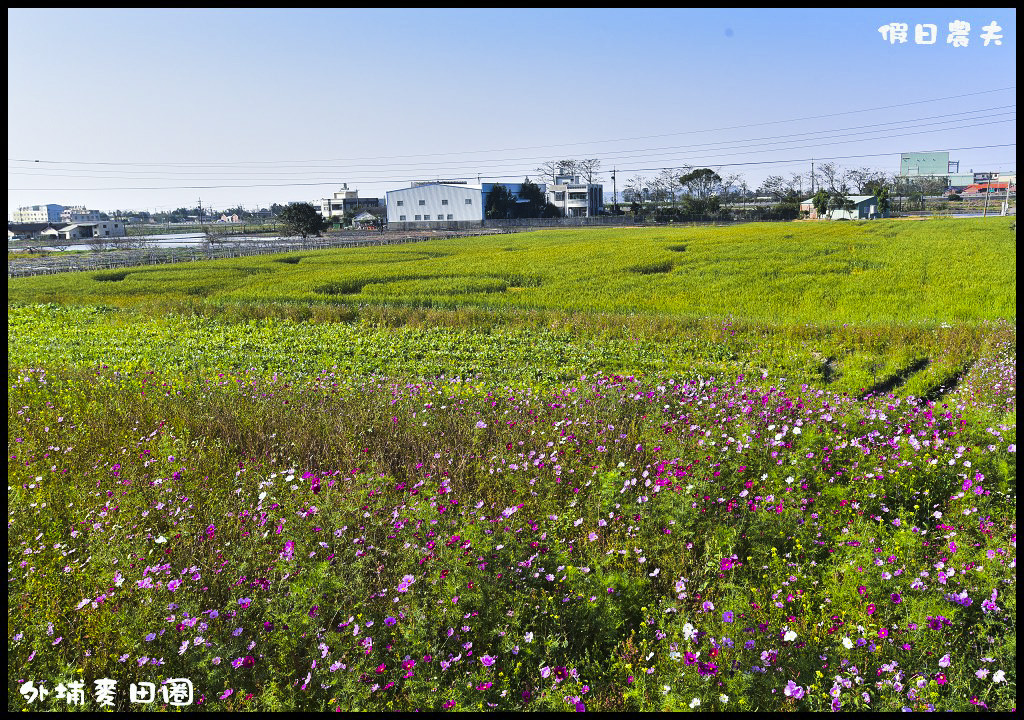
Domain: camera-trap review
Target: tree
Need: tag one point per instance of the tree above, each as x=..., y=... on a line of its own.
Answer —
x=533, y=199
x=781, y=190
x=701, y=183
x=550, y=170
x=820, y=201
x=830, y=177
x=702, y=186
x=884, y=202
x=666, y=185
x=302, y=219
x=551, y=211
x=633, y=190
x=729, y=182
x=866, y=181
x=840, y=201
x=588, y=169
x=501, y=203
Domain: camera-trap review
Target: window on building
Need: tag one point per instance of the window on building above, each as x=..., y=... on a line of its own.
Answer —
x=426, y=217
x=469, y=201
x=444, y=202
x=449, y=216
x=401, y=217
x=401, y=203
x=419, y=217
x=423, y=202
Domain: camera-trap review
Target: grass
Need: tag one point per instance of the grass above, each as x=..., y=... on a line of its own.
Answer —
x=599, y=472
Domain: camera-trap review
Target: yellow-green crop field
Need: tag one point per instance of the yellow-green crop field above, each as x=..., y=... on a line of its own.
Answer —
x=766, y=467
x=882, y=272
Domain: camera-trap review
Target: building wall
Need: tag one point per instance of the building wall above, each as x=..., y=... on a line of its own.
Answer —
x=435, y=203
x=576, y=199
x=38, y=214
x=933, y=163
x=102, y=229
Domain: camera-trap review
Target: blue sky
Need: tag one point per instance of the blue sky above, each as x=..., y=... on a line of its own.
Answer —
x=154, y=109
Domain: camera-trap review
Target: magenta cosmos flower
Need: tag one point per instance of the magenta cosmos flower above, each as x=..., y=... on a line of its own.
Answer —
x=793, y=690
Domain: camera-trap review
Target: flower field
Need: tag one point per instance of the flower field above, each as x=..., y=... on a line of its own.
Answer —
x=457, y=493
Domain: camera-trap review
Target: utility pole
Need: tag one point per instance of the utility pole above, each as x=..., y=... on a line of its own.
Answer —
x=1006, y=200
x=987, y=193
x=614, y=192
x=812, y=176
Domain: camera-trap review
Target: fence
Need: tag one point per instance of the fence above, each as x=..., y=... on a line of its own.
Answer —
x=514, y=224
x=560, y=222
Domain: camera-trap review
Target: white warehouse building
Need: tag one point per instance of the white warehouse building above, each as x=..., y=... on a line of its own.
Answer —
x=427, y=206
x=448, y=204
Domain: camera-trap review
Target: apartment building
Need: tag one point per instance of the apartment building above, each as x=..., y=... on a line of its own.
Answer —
x=575, y=198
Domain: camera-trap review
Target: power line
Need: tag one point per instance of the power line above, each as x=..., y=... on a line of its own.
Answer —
x=532, y=147
x=487, y=177
x=610, y=156
x=463, y=170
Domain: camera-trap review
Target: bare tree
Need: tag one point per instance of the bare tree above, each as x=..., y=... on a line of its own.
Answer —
x=778, y=188
x=550, y=170
x=796, y=183
x=568, y=167
x=667, y=184
x=864, y=178
x=633, y=190
x=728, y=182
x=588, y=169
x=833, y=178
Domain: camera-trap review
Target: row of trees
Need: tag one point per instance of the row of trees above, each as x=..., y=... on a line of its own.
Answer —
x=184, y=214
x=529, y=202
x=702, y=193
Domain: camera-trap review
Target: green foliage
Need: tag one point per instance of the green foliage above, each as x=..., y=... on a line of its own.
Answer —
x=501, y=203
x=535, y=203
x=821, y=202
x=302, y=219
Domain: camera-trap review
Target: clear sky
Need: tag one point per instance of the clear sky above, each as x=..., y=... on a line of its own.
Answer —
x=155, y=109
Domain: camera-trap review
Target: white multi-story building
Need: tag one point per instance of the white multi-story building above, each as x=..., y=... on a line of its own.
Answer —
x=79, y=213
x=345, y=199
x=38, y=214
x=575, y=198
